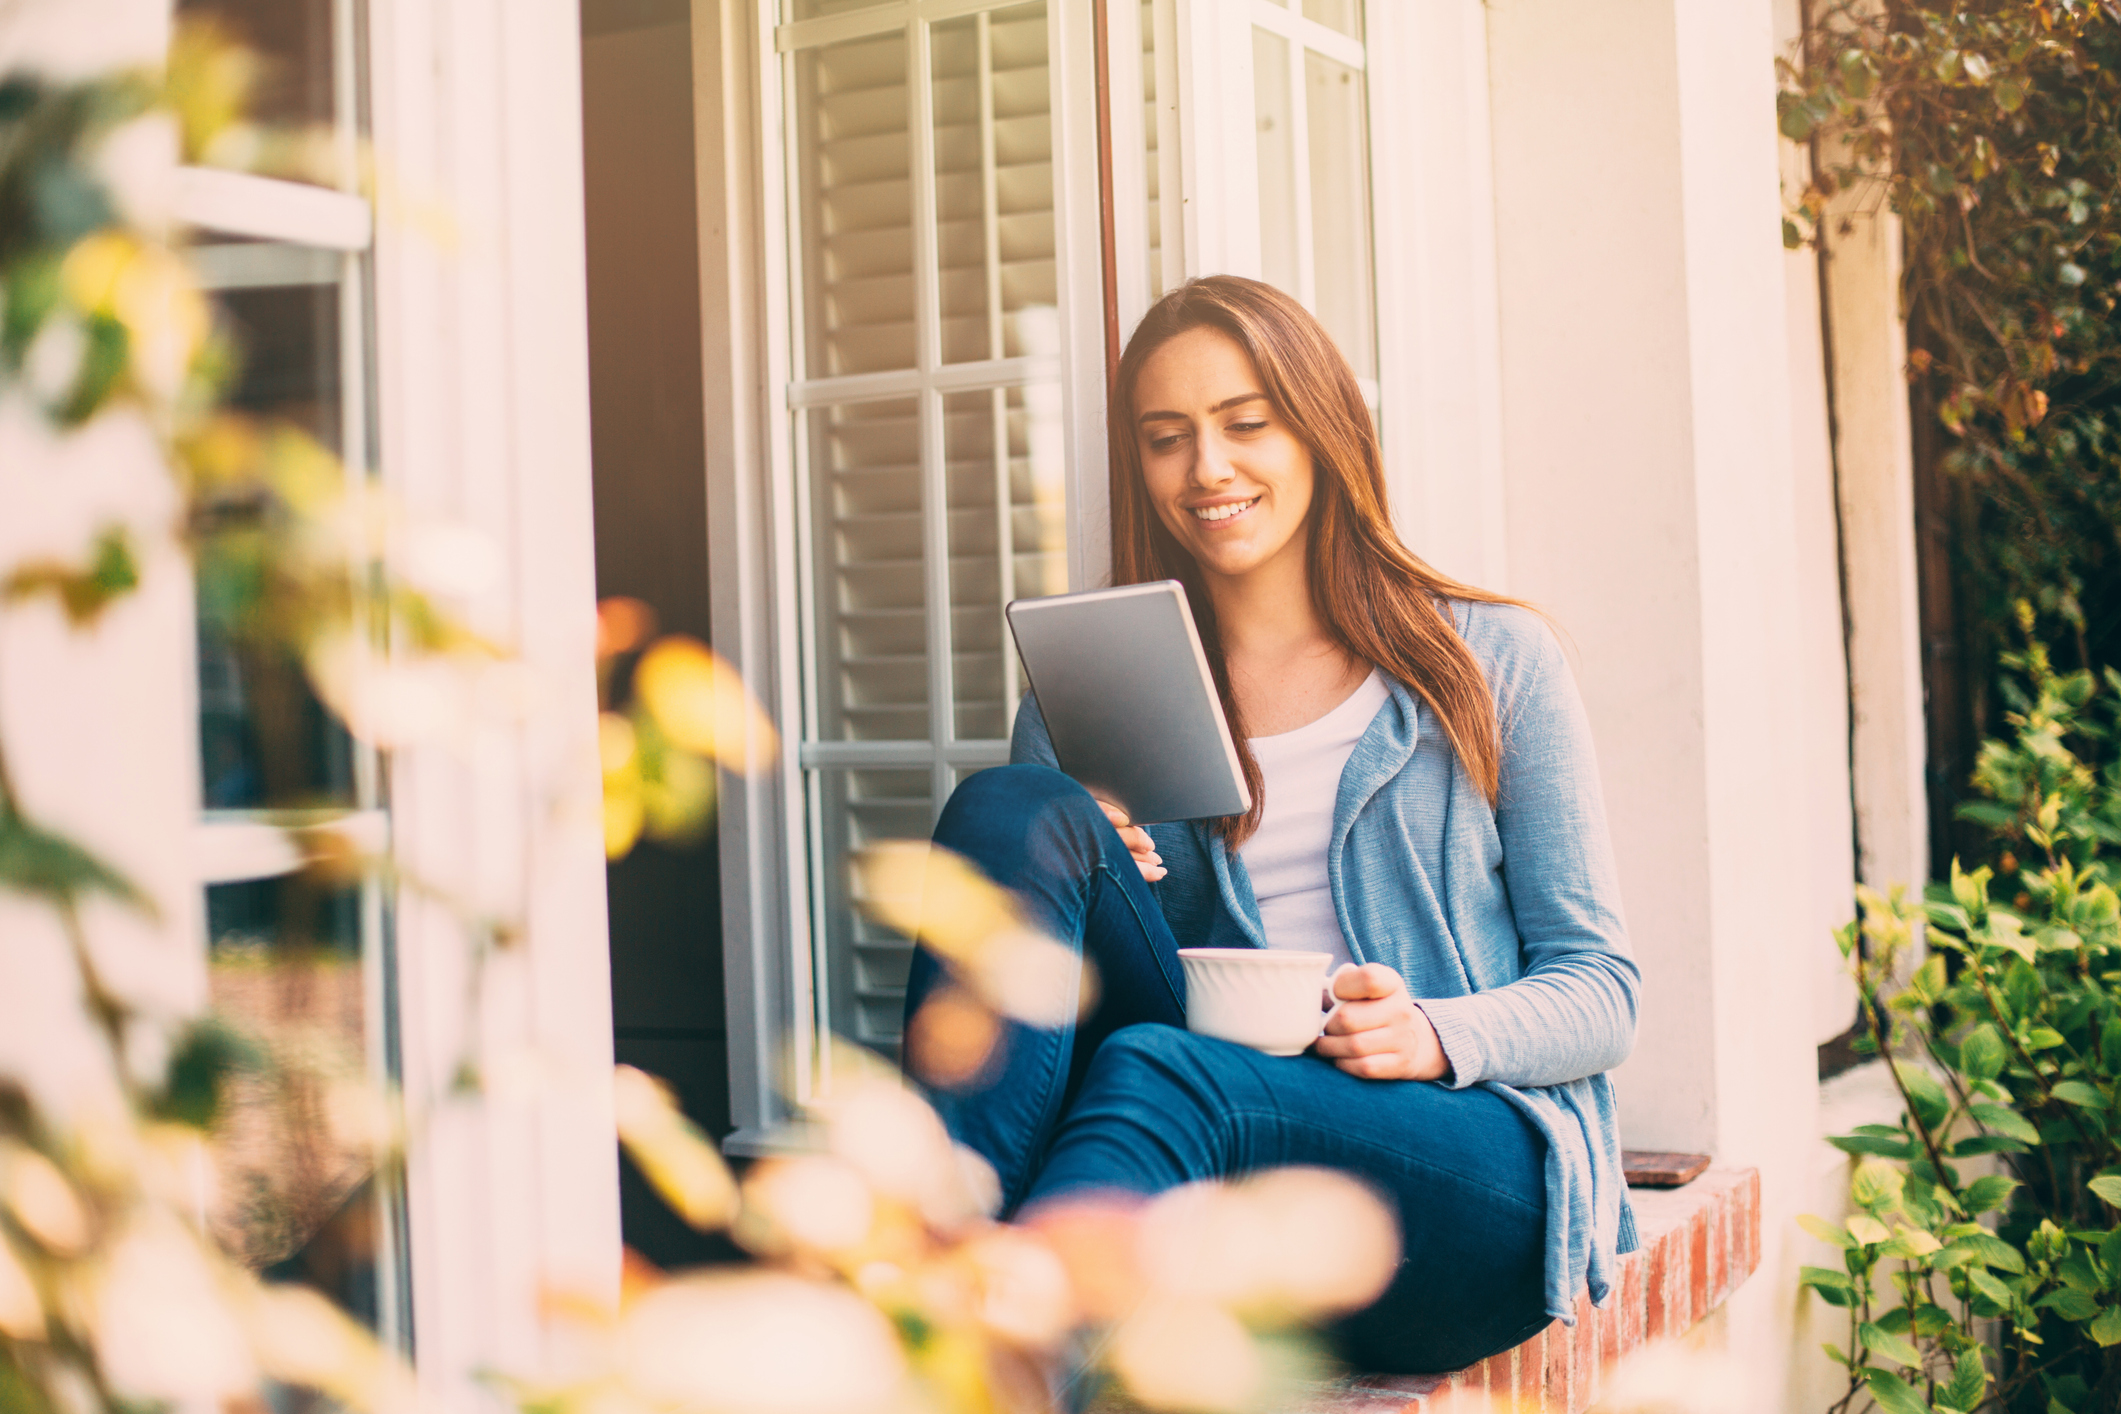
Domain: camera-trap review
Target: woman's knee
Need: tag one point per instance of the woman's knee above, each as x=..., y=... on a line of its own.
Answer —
x=1009, y=808
x=1162, y=1065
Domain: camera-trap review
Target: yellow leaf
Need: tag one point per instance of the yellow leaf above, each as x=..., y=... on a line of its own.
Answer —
x=672, y=1153
x=1867, y=1229
x=701, y=703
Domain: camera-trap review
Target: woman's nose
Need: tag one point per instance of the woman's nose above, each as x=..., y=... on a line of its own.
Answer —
x=1211, y=465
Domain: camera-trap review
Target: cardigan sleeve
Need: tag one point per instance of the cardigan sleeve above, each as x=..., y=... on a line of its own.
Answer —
x=1571, y=1012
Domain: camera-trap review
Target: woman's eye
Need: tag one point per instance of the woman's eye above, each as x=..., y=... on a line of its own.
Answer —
x=1257, y=426
x=1165, y=444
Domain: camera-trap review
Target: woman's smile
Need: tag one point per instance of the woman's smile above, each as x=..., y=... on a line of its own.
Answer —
x=1224, y=510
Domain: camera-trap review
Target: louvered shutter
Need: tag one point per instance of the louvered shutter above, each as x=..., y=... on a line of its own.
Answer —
x=930, y=444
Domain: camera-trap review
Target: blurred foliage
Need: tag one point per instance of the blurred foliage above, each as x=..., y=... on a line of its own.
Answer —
x=1994, y=129
x=1982, y=1263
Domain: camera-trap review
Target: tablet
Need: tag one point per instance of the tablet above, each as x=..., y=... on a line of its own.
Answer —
x=1129, y=702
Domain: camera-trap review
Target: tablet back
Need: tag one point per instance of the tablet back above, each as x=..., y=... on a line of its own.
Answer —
x=1129, y=702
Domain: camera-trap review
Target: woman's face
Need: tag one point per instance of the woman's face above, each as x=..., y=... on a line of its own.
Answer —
x=1228, y=476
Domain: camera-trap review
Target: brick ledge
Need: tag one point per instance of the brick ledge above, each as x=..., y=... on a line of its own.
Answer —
x=1699, y=1244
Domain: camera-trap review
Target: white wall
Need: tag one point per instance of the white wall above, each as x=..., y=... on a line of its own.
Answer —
x=1660, y=504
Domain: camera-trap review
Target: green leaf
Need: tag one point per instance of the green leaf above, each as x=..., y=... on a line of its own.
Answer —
x=2043, y=1038
x=1988, y=1144
x=2004, y=1120
x=1968, y=1382
x=1989, y=1287
x=1893, y=1394
x=1874, y=1183
x=2010, y=95
x=1986, y=1193
x=2078, y=1273
x=2070, y=1304
x=1897, y=1148
x=1991, y=1251
x=1833, y=1287
x=34, y=861
x=1825, y=1231
x=2107, y=1329
x=1892, y=1347
x=1981, y=1054
x=2108, y=1187
x=1925, y=1090
x=2076, y=1092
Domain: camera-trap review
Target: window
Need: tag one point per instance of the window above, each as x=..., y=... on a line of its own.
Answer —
x=928, y=438
x=932, y=444
x=306, y=965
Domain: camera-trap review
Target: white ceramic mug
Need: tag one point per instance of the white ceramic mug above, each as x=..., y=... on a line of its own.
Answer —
x=1259, y=997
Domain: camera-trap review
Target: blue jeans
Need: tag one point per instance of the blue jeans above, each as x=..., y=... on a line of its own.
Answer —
x=1128, y=1099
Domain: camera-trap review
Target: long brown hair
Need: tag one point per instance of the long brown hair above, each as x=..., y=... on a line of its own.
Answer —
x=1380, y=601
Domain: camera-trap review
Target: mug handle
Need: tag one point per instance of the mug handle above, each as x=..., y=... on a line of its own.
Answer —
x=1333, y=1010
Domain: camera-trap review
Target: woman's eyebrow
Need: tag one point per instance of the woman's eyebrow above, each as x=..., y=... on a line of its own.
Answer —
x=1161, y=416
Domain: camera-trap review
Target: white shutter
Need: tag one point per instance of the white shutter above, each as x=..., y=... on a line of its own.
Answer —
x=929, y=448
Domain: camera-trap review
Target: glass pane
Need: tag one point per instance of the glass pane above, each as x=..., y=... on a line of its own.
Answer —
x=265, y=740
x=1152, y=162
x=993, y=179
x=296, y=1193
x=294, y=42
x=1277, y=161
x=855, y=196
x=1343, y=15
x=866, y=964
x=1008, y=539
x=868, y=571
x=1340, y=208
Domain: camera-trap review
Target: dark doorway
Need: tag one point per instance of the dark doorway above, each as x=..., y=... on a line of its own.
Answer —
x=651, y=535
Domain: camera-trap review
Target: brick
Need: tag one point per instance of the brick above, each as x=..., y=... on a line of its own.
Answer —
x=1698, y=1266
x=1719, y=1227
x=1560, y=1387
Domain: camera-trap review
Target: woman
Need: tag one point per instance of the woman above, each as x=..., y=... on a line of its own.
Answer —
x=1425, y=805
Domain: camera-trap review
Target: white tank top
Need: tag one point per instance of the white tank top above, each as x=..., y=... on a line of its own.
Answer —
x=1286, y=858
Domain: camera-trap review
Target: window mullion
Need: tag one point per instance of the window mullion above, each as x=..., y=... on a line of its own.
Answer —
x=928, y=344
x=1300, y=165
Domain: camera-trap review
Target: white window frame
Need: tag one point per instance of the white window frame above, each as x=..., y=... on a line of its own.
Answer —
x=299, y=234
x=778, y=1056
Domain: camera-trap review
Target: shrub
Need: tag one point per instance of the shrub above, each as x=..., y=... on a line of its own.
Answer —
x=2005, y=1043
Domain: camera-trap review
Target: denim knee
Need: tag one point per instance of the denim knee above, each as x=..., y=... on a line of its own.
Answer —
x=1150, y=1060
x=1010, y=805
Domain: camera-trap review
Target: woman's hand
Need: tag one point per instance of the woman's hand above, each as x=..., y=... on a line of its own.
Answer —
x=1137, y=841
x=1378, y=1033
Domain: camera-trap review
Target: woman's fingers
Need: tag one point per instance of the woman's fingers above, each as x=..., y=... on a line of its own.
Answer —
x=1370, y=981
x=1137, y=841
x=1376, y=1040
x=1363, y=1016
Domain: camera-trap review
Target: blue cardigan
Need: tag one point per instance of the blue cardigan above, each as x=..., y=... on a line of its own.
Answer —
x=1505, y=922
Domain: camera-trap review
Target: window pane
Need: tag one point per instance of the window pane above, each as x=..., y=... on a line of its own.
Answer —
x=868, y=571
x=1340, y=207
x=1151, y=140
x=1343, y=15
x=265, y=740
x=1277, y=161
x=865, y=963
x=294, y=42
x=296, y=1193
x=993, y=178
x=1008, y=539
x=856, y=203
